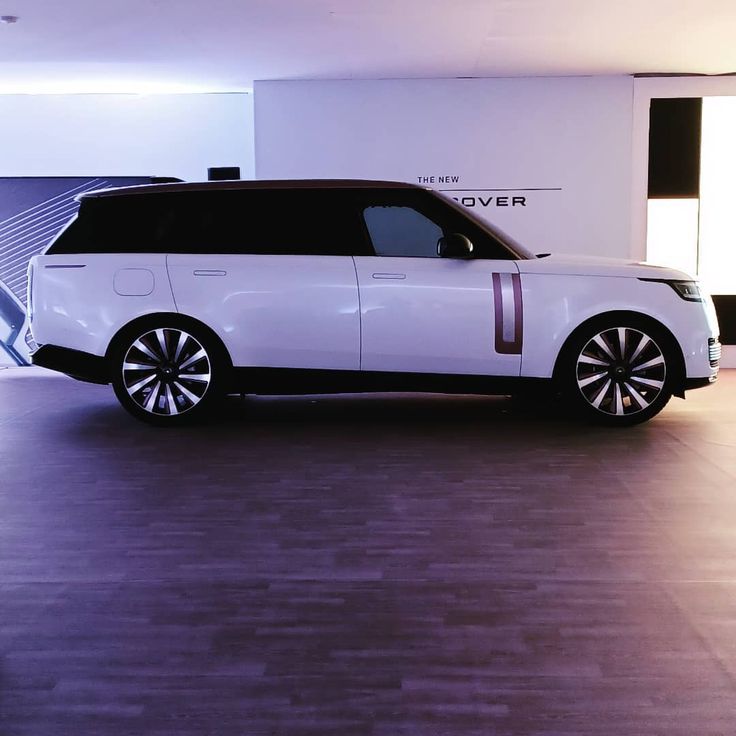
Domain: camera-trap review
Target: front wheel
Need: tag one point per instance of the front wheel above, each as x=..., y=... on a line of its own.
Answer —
x=619, y=373
x=167, y=375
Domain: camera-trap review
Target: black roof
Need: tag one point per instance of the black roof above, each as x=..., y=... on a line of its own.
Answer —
x=204, y=186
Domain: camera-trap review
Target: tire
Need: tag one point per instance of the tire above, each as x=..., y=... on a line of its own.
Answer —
x=619, y=371
x=167, y=373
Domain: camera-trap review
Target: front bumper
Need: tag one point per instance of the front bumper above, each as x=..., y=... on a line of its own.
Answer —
x=714, y=360
x=75, y=363
x=691, y=383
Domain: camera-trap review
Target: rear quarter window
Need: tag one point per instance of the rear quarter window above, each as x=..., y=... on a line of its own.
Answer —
x=126, y=224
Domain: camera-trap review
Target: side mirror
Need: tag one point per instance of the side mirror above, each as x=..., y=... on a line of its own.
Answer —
x=454, y=245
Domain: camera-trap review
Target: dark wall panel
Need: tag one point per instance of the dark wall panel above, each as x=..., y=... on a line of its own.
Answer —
x=674, y=147
x=726, y=310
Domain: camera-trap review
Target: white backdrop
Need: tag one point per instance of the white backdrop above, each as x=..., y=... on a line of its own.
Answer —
x=561, y=146
x=125, y=135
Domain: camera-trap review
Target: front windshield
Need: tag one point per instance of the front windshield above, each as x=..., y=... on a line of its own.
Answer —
x=513, y=245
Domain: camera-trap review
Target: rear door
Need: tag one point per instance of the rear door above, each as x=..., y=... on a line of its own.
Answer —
x=270, y=270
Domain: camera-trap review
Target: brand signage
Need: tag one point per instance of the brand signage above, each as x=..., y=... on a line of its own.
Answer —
x=546, y=160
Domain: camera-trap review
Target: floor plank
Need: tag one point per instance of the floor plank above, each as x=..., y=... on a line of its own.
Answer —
x=385, y=565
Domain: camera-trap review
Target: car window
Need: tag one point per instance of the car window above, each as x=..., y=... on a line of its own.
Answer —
x=397, y=230
x=409, y=222
x=277, y=222
x=270, y=222
x=297, y=221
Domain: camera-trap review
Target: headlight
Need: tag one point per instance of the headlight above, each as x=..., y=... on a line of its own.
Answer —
x=687, y=290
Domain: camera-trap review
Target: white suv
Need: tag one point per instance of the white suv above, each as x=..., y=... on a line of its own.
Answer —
x=179, y=293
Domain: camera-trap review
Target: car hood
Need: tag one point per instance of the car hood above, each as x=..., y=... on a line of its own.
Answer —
x=573, y=265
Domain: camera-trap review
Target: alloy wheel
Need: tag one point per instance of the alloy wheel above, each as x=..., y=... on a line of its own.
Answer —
x=621, y=371
x=166, y=372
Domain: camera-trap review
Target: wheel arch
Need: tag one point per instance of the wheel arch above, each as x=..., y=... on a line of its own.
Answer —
x=174, y=318
x=600, y=320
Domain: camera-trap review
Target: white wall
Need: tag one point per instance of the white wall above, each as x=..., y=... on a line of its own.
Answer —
x=125, y=135
x=566, y=141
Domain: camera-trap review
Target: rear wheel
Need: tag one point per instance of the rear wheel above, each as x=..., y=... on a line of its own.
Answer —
x=620, y=372
x=168, y=374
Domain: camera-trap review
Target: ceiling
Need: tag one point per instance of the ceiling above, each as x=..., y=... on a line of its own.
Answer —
x=224, y=45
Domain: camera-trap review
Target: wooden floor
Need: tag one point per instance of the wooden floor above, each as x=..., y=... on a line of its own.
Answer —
x=387, y=565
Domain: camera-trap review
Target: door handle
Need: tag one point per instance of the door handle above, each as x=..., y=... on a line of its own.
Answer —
x=389, y=275
x=210, y=272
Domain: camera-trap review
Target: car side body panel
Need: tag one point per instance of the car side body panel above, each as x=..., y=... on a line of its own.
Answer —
x=280, y=311
x=305, y=314
x=562, y=292
x=440, y=315
x=81, y=301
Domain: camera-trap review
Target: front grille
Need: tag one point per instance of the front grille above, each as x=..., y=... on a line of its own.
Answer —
x=714, y=352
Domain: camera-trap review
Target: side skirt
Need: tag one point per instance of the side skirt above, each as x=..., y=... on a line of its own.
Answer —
x=285, y=381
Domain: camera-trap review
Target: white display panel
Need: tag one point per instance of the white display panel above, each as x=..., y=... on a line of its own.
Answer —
x=717, y=252
x=672, y=233
x=547, y=159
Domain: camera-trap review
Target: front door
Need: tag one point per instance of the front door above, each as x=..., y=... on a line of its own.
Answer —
x=426, y=314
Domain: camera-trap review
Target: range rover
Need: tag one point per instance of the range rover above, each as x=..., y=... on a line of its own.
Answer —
x=179, y=293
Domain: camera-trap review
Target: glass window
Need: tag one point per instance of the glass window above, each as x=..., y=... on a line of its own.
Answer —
x=240, y=221
x=277, y=222
x=401, y=231
x=409, y=222
x=126, y=224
